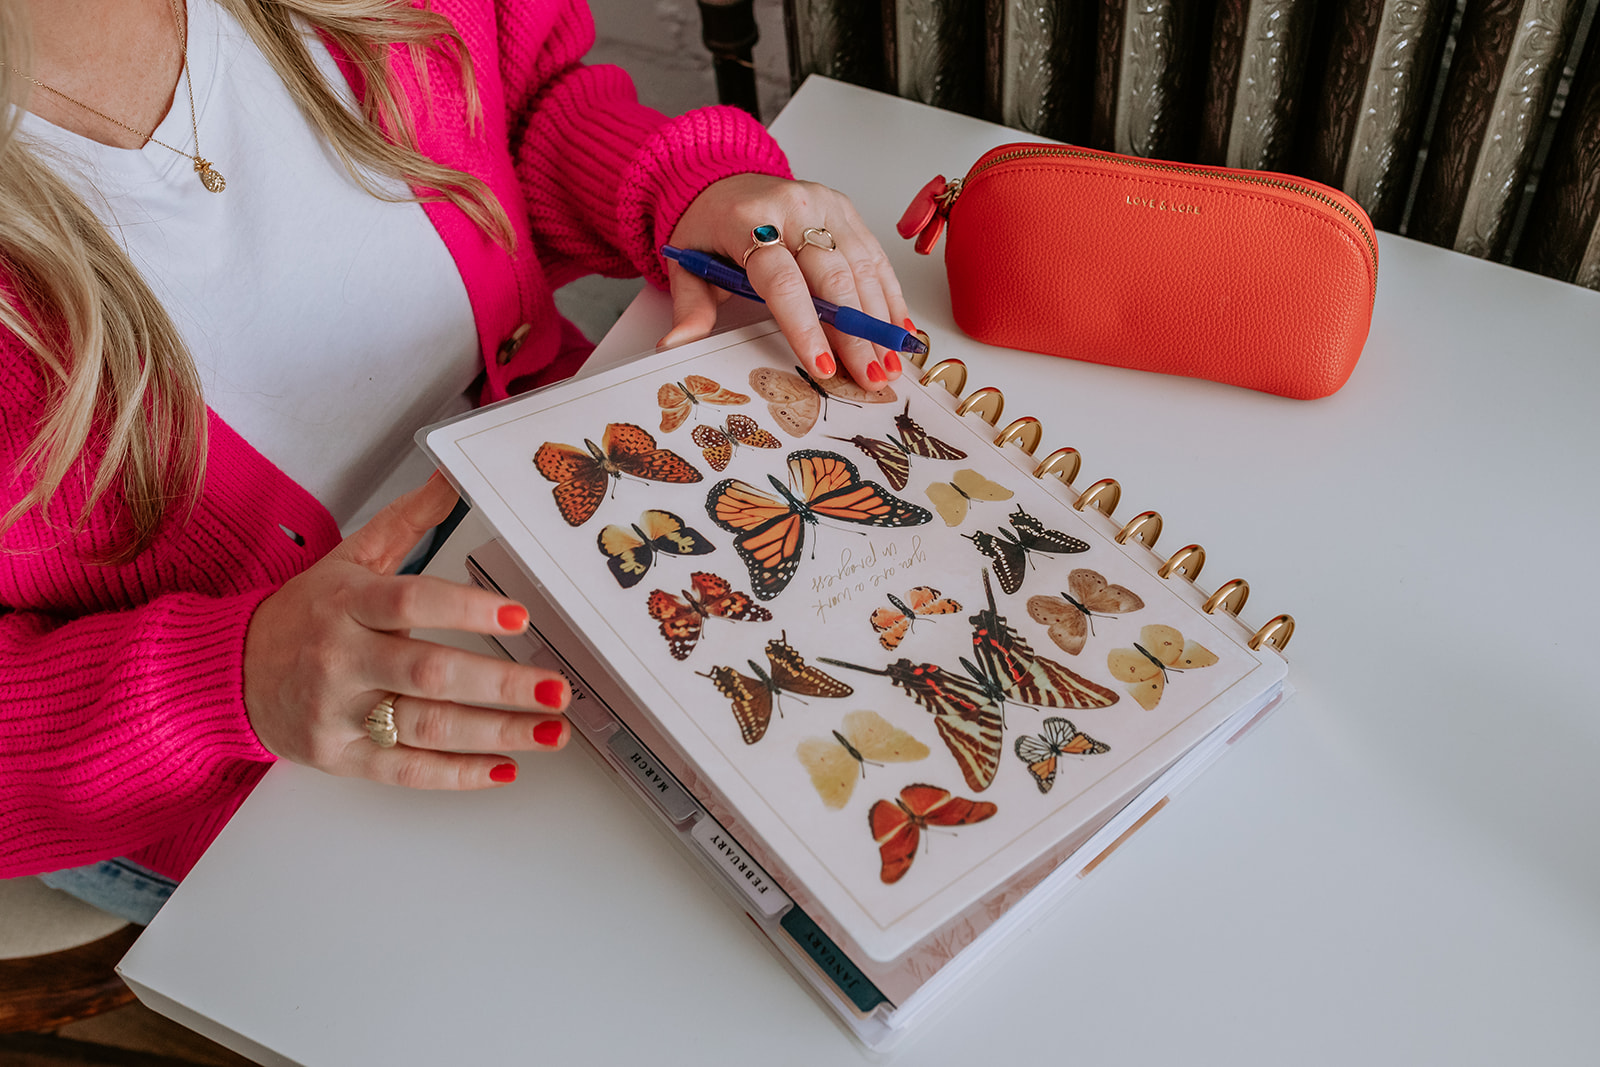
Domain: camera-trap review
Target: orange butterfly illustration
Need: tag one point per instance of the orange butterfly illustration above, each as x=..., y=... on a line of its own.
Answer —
x=678, y=399
x=771, y=530
x=897, y=825
x=682, y=619
x=893, y=453
x=1060, y=738
x=1159, y=649
x=1071, y=616
x=718, y=442
x=623, y=449
x=754, y=698
x=796, y=400
x=893, y=624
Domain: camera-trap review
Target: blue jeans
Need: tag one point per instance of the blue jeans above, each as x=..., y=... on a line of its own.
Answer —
x=121, y=887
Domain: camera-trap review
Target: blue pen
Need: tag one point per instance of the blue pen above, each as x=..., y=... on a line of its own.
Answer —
x=845, y=320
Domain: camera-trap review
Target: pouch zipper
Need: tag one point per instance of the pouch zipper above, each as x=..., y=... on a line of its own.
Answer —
x=946, y=199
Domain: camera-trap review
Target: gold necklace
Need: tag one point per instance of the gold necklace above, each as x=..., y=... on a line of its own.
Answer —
x=210, y=177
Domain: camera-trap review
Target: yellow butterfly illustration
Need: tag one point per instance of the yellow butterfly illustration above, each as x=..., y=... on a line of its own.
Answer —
x=1145, y=665
x=951, y=498
x=836, y=763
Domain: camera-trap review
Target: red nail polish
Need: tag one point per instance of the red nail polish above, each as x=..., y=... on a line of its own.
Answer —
x=512, y=617
x=505, y=772
x=910, y=326
x=892, y=362
x=550, y=693
x=826, y=365
x=548, y=733
x=875, y=372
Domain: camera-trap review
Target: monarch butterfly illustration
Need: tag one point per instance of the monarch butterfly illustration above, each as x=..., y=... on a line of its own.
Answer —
x=624, y=448
x=683, y=619
x=897, y=825
x=1070, y=616
x=796, y=400
x=754, y=698
x=678, y=399
x=894, y=623
x=1010, y=551
x=951, y=499
x=629, y=550
x=893, y=453
x=1060, y=738
x=1159, y=649
x=965, y=715
x=1009, y=665
x=837, y=763
x=771, y=530
x=719, y=442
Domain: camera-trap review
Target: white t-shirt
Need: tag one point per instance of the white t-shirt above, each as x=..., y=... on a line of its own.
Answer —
x=327, y=325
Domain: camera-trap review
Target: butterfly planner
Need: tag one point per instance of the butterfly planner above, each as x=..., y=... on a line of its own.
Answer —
x=892, y=679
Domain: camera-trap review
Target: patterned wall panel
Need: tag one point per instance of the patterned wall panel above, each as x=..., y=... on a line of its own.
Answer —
x=1040, y=66
x=1150, y=76
x=841, y=39
x=1562, y=236
x=1508, y=60
x=1366, y=116
x=935, y=52
x=1253, y=89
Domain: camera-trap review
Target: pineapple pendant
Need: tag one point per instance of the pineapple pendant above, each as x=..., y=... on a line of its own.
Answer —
x=210, y=177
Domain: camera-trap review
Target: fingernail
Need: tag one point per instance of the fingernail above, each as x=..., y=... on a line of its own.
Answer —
x=548, y=733
x=825, y=365
x=892, y=362
x=505, y=772
x=512, y=617
x=910, y=326
x=875, y=372
x=434, y=477
x=550, y=693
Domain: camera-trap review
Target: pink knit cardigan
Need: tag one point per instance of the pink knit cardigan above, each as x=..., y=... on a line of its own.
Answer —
x=122, y=721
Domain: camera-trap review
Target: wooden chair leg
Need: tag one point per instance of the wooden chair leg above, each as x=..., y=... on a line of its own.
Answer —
x=40, y=993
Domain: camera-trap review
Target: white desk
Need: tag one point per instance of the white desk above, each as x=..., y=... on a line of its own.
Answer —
x=1401, y=867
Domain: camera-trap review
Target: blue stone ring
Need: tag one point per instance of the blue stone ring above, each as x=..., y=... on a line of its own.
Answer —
x=761, y=237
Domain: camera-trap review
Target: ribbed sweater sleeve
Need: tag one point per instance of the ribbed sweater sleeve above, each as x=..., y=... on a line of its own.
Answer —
x=120, y=729
x=123, y=728
x=606, y=178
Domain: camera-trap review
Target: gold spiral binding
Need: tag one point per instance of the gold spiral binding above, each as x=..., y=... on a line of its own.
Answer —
x=988, y=402
x=1028, y=428
x=1063, y=463
x=950, y=373
x=1187, y=562
x=1275, y=634
x=921, y=358
x=1144, y=528
x=1103, y=495
x=1229, y=597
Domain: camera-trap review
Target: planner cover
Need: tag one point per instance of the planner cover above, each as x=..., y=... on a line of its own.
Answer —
x=907, y=668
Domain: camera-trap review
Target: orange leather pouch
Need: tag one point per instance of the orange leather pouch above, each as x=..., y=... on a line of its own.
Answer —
x=1245, y=277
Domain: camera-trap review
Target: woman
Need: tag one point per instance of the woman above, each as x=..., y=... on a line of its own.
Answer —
x=216, y=336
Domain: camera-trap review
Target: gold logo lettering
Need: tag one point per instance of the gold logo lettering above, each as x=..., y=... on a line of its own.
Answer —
x=1155, y=204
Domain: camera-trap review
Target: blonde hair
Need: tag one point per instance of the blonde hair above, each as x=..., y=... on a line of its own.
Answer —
x=115, y=367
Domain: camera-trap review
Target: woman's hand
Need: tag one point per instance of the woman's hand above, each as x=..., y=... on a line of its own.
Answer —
x=855, y=274
x=322, y=651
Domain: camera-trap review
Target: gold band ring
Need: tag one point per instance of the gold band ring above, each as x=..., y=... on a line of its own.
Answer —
x=761, y=237
x=380, y=722
x=817, y=237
